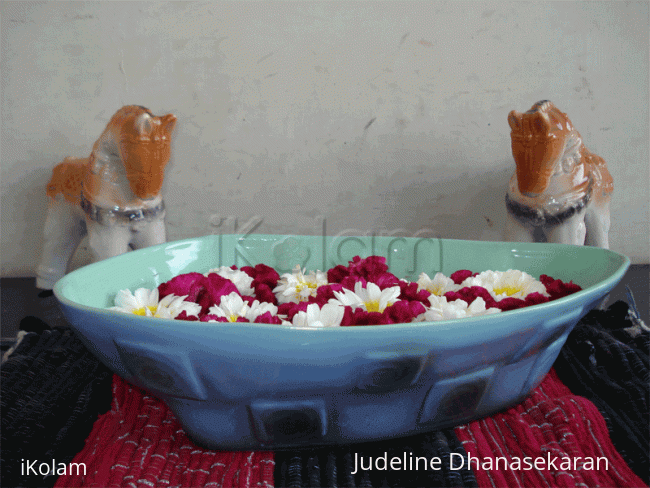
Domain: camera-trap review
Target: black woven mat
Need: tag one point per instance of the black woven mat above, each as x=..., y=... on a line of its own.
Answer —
x=53, y=389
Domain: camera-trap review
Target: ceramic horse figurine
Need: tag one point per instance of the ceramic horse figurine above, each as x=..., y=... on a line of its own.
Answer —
x=113, y=196
x=559, y=187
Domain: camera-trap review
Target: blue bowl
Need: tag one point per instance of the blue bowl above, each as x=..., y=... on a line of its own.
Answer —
x=244, y=386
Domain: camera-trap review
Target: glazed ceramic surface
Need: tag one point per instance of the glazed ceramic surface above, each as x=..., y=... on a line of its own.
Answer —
x=559, y=187
x=113, y=196
x=262, y=386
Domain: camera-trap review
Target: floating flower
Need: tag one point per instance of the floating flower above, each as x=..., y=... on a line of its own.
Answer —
x=371, y=298
x=330, y=315
x=502, y=284
x=360, y=294
x=439, y=285
x=441, y=309
x=243, y=281
x=557, y=288
x=145, y=302
x=233, y=308
x=298, y=286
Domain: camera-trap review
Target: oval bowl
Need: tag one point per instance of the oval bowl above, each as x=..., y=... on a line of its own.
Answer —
x=262, y=386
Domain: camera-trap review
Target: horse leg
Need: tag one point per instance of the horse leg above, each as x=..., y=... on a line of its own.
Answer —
x=572, y=231
x=148, y=234
x=515, y=231
x=598, y=222
x=64, y=229
x=106, y=241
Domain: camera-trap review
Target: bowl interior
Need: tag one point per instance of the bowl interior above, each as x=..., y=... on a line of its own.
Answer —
x=96, y=285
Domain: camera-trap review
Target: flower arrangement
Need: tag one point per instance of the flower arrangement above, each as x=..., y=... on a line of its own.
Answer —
x=362, y=293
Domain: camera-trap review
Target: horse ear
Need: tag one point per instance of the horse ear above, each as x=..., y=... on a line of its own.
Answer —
x=542, y=123
x=143, y=124
x=168, y=122
x=514, y=119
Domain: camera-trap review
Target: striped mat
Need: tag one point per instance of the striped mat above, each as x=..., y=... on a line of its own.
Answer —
x=61, y=406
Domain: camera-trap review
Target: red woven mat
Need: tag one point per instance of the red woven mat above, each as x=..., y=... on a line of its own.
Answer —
x=564, y=433
x=139, y=443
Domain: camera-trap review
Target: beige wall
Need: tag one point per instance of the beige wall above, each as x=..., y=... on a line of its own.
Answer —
x=367, y=116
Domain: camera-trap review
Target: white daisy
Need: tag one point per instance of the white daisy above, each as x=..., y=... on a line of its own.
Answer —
x=258, y=308
x=439, y=285
x=503, y=284
x=241, y=279
x=231, y=307
x=145, y=302
x=329, y=316
x=371, y=298
x=297, y=286
x=441, y=309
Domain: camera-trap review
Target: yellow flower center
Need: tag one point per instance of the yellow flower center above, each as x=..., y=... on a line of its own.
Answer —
x=508, y=290
x=373, y=306
x=142, y=311
x=435, y=290
x=233, y=317
x=302, y=286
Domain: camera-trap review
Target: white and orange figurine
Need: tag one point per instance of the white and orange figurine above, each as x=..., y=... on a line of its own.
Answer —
x=114, y=196
x=559, y=188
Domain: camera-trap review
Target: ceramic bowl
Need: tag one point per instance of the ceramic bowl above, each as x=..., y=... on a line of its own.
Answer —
x=245, y=386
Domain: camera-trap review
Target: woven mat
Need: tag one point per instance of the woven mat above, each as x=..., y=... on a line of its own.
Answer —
x=60, y=404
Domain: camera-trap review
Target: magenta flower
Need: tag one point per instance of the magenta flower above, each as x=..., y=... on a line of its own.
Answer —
x=362, y=293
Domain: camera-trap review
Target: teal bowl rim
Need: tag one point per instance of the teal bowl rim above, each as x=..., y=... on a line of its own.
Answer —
x=595, y=290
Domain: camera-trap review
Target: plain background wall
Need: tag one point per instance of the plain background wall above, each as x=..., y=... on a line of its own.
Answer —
x=386, y=117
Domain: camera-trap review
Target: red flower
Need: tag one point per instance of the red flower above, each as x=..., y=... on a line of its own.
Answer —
x=461, y=275
x=409, y=291
x=372, y=268
x=264, y=293
x=361, y=317
x=557, y=288
x=325, y=293
x=290, y=309
x=190, y=284
x=337, y=273
x=470, y=293
x=206, y=291
x=403, y=312
x=262, y=273
x=216, y=318
x=215, y=287
x=189, y=318
x=267, y=318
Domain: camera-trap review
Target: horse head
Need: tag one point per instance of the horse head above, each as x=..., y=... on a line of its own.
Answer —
x=144, y=144
x=539, y=139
